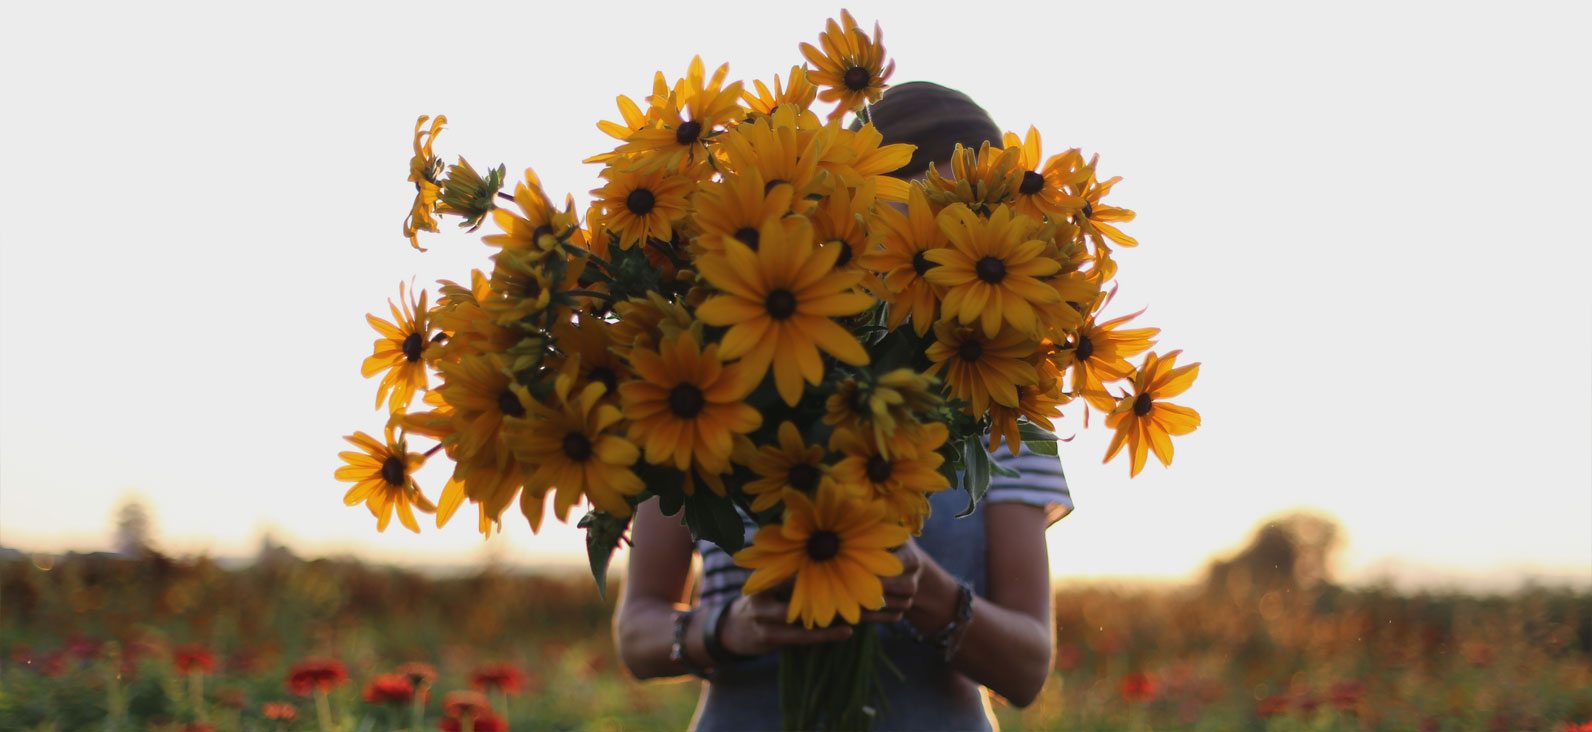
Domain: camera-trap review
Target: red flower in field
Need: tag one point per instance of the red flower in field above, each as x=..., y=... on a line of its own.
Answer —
x=54, y=664
x=484, y=723
x=1067, y=656
x=420, y=674
x=83, y=648
x=389, y=689
x=460, y=703
x=1573, y=727
x=280, y=710
x=1137, y=687
x=1307, y=702
x=1345, y=695
x=1271, y=706
x=312, y=674
x=498, y=676
x=191, y=658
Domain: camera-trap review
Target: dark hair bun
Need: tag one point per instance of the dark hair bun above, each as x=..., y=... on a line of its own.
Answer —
x=933, y=117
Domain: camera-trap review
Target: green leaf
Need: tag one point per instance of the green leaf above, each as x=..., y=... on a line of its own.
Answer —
x=603, y=533
x=714, y=518
x=1030, y=432
x=1043, y=447
x=894, y=351
x=975, y=479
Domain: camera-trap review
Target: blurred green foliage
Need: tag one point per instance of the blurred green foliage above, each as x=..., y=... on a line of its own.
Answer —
x=1247, y=650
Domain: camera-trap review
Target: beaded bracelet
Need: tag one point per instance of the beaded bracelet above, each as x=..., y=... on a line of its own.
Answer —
x=682, y=621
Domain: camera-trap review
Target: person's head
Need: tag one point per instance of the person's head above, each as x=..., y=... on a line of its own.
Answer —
x=935, y=119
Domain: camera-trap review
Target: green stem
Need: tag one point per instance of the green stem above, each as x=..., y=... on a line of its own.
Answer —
x=417, y=710
x=323, y=710
x=196, y=690
x=115, y=703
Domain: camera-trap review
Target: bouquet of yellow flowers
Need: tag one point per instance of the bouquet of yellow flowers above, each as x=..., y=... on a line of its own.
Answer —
x=753, y=318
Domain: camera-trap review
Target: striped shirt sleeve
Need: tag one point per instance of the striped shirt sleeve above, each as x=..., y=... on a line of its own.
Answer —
x=1040, y=482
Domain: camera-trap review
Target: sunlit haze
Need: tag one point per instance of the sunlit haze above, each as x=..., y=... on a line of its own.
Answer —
x=1362, y=219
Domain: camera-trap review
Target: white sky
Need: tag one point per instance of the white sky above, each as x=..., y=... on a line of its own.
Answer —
x=1363, y=218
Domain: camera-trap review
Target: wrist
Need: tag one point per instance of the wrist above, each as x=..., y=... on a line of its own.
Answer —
x=947, y=613
x=934, y=605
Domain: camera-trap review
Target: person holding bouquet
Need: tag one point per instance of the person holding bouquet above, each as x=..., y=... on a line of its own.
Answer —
x=971, y=610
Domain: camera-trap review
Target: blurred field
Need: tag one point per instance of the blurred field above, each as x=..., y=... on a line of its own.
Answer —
x=1267, y=643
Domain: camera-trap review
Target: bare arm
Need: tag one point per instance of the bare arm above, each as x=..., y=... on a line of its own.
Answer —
x=1009, y=643
x=657, y=581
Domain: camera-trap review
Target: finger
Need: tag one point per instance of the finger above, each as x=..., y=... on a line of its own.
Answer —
x=769, y=613
x=901, y=586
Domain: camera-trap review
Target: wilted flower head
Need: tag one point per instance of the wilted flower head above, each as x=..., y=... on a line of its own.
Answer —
x=389, y=689
x=280, y=710
x=498, y=676
x=316, y=674
x=460, y=703
x=191, y=658
x=1137, y=687
x=419, y=673
x=1271, y=706
x=1346, y=695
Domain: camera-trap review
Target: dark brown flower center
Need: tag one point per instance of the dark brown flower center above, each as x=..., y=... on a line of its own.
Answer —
x=640, y=201
x=803, y=477
x=747, y=235
x=509, y=404
x=1032, y=183
x=414, y=343
x=970, y=350
x=990, y=269
x=1088, y=210
x=541, y=231
x=686, y=401
x=879, y=469
x=392, y=470
x=532, y=289
x=577, y=447
x=606, y=377
x=845, y=252
x=823, y=545
x=688, y=132
x=921, y=264
x=857, y=78
x=1085, y=349
x=1141, y=404
x=781, y=304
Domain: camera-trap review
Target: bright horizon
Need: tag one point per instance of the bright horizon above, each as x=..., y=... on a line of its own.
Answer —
x=1361, y=222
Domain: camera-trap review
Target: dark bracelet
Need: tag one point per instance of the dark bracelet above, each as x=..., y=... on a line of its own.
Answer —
x=682, y=621
x=949, y=639
x=710, y=637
